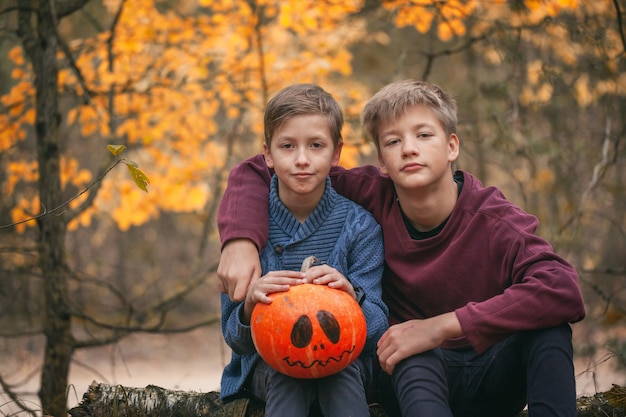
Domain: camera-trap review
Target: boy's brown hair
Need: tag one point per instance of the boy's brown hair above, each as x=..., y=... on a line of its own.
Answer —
x=393, y=100
x=299, y=99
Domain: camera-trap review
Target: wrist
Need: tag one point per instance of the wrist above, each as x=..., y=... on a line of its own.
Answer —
x=450, y=326
x=240, y=242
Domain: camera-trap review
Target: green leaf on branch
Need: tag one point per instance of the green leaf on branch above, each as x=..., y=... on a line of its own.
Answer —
x=116, y=149
x=140, y=179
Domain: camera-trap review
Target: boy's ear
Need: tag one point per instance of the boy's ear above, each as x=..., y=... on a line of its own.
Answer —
x=268, y=156
x=337, y=154
x=383, y=168
x=453, y=147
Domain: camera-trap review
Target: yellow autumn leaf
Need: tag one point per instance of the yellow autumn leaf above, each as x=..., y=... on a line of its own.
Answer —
x=349, y=156
x=196, y=199
x=184, y=197
x=526, y=97
x=233, y=112
x=544, y=177
x=116, y=149
x=534, y=71
x=421, y=18
x=20, y=171
x=28, y=117
x=18, y=215
x=545, y=92
x=6, y=136
x=139, y=178
x=16, y=110
x=89, y=128
x=458, y=27
x=82, y=177
x=444, y=31
x=285, y=15
x=133, y=209
x=24, y=210
x=584, y=95
x=15, y=55
x=533, y=4
x=83, y=219
x=17, y=73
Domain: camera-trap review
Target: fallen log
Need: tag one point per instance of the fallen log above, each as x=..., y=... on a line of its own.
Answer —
x=102, y=400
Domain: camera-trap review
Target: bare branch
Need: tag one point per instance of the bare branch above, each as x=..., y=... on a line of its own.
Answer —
x=55, y=211
x=109, y=42
x=68, y=53
x=67, y=7
x=17, y=8
x=122, y=332
x=26, y=32
x=197, y=279
x=608, y=298
x=8, y=389
x=620, y=25
x=160, y=309
x=93, y=187
x=36, y=332
x=599, y=171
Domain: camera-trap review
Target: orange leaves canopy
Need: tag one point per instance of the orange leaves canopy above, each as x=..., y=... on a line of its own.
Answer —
x=185, y=90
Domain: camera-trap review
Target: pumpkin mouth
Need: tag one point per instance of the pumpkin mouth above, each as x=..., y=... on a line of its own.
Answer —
x=318, y=362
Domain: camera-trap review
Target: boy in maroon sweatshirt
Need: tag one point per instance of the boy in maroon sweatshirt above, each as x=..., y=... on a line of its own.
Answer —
x=479, y=304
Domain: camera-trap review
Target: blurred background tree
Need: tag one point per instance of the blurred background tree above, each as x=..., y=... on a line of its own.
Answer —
x=541, y=87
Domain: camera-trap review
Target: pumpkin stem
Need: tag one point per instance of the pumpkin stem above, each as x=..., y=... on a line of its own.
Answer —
x=308, y=262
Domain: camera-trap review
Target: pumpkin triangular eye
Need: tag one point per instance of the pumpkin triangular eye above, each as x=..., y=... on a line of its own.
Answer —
x=329, y=324
x=302, y=332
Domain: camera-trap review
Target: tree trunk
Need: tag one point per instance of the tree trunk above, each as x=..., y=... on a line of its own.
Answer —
x=103, y=400
x=39, y=39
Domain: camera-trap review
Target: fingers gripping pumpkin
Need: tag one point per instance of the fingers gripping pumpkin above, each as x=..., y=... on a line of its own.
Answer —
x=310, y=331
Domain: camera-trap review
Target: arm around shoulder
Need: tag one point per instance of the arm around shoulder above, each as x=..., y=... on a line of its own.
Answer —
x=242, y=221
x=242, y=212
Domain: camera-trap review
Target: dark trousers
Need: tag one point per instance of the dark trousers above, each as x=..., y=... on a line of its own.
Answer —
x=531, y=367
x=338, y=395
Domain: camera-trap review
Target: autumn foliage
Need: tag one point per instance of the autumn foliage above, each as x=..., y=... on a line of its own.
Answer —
x=183, y=90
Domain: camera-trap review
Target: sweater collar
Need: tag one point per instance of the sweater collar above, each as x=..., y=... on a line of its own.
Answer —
x=283, y=217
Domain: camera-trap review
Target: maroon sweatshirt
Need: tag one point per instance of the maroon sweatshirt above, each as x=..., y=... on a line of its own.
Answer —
x=487, y=264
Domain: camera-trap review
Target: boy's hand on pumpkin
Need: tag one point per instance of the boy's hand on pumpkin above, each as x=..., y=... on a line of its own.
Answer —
x=274, y=281
x=326, y=275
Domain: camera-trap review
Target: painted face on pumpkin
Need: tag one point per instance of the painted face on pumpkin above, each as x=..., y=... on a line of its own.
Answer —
x=310, y=331
x=306, y=335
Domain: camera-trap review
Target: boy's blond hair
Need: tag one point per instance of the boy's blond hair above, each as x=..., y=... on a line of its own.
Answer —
x=299, y=99
x=394, y=99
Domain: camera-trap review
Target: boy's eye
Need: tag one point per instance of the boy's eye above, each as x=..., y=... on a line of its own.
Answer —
x=316, y=145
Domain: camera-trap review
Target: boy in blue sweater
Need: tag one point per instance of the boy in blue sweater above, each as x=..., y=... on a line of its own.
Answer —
x=307, y=218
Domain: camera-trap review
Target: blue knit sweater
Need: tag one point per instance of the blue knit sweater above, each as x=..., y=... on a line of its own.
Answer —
x=339, y=233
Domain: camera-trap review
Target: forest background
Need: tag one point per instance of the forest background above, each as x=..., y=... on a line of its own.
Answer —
x=93, y=254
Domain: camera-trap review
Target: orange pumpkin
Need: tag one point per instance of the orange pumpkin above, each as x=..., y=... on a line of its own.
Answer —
x=310, y=331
